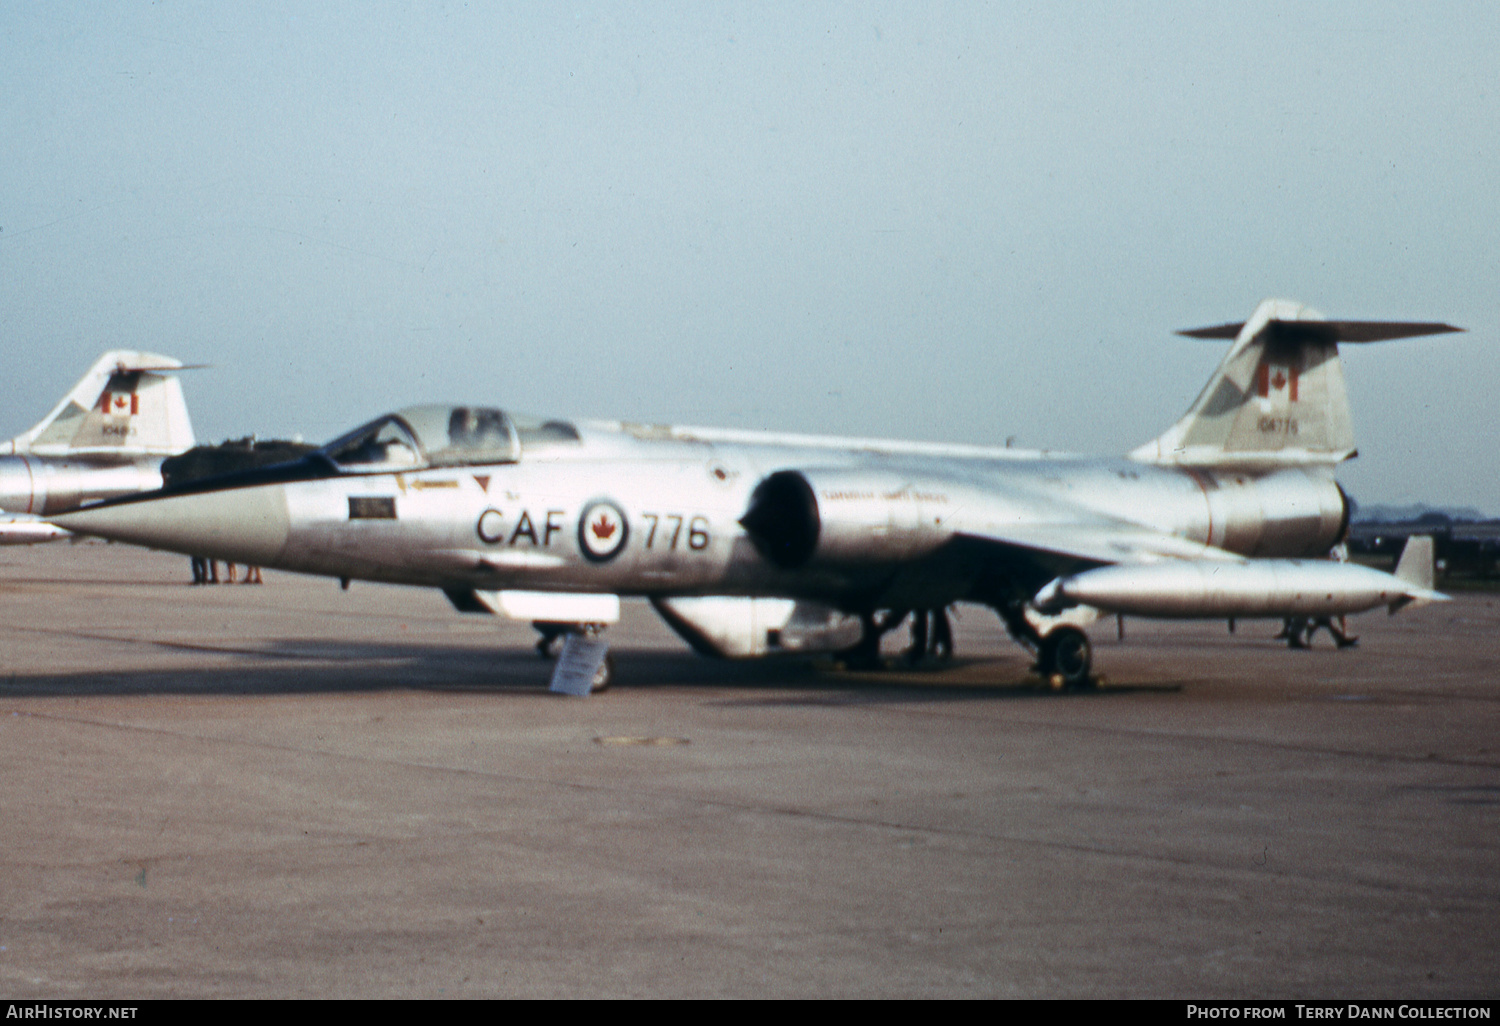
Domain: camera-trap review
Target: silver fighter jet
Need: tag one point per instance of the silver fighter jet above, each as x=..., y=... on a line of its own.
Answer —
x=106, y=438
x=751, y=543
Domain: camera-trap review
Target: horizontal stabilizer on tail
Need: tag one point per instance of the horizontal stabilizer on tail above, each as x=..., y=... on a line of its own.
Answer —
x=1332, y=331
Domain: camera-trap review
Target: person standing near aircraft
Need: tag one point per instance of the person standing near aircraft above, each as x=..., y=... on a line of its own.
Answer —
x=918, y=650
x=931, y=635
x=1298, y=631
x=942, y=635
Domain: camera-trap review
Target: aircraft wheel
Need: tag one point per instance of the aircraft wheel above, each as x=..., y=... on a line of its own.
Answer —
x=1067, y=655
x=604, y=676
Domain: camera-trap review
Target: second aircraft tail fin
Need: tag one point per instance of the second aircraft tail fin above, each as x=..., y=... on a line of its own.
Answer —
x=126, y=405
x=1278, y=397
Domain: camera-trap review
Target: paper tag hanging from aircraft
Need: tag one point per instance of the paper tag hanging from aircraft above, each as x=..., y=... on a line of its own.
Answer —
x=579, y=665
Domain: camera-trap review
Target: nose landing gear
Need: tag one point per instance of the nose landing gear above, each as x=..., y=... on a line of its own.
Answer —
x=584, y=666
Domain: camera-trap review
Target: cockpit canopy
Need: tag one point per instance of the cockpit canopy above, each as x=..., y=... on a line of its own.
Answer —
x=444, y=436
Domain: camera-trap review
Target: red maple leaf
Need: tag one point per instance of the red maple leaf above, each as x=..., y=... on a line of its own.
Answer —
x=1279, y=380
x=602, y=528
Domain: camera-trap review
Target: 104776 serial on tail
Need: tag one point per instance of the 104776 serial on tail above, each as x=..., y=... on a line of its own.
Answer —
x=749, y=543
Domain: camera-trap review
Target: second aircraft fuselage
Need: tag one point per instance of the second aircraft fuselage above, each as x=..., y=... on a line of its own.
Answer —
x=43, y=485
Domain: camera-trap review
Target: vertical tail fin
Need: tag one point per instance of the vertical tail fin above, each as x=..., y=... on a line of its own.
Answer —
x=125, y=405
x=1416, y=565
x=1278, y=397
x=1418, y=571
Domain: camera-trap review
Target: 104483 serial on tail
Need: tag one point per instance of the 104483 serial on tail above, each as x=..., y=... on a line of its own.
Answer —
x=749, y=543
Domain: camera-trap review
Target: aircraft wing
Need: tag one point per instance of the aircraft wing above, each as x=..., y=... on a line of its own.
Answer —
x=1030, y=556
x=1090, y=545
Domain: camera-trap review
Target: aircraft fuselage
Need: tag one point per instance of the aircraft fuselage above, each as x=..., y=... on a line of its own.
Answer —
x=665, y=512
x=749, y=542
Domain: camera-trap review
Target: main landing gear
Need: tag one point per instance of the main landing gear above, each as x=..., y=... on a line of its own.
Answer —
x=864, y=654
x=1064, y=657
x=931, y=637
x=604, y=676
x=1066, y=660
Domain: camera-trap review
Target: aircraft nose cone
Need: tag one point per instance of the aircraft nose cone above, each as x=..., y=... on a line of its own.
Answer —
x=245, y=525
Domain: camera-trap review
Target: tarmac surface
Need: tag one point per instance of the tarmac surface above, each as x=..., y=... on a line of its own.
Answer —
x=293, y=791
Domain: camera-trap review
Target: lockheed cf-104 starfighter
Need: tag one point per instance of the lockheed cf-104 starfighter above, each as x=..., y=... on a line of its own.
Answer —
x=750, y=543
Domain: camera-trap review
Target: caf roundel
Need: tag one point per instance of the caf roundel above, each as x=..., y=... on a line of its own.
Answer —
x=751, y=543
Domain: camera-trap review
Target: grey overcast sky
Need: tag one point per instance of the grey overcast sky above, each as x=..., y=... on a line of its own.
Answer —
x=959, y=222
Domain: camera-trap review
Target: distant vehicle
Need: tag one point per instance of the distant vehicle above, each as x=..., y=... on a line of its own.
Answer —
x=749, y=543
x=106, y=438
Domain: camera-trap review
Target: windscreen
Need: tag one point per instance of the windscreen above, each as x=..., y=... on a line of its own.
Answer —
x=441, y=436
x=456, y=436
x=383, y=444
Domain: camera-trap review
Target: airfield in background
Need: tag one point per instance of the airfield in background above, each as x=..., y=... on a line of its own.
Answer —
x=293, y=791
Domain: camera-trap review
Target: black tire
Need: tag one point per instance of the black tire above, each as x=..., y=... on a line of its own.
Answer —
x=1068, y=656
x=604, y=676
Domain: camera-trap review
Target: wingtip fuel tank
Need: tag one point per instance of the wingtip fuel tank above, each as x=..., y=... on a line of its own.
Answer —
x=1255, y=588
